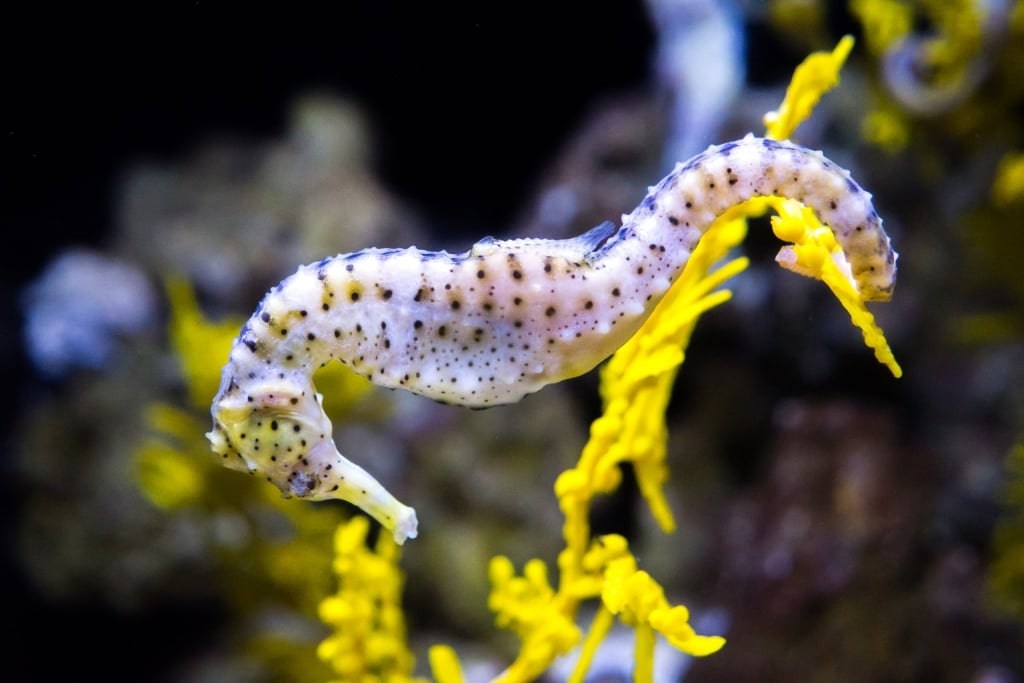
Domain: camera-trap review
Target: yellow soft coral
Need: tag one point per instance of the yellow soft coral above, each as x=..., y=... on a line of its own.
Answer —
x=640, y=602
x=636, y=386
x=368, y=643
x=287, y=569
x=815, y=253
x=531, y=608
x=885, y=21
x=815, y=75
x=544, y=618
x=444, y=664
x=1008, y=186
x=201, y=345
x=1006, y=572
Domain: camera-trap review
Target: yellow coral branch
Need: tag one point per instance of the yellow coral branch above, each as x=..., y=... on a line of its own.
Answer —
x=815, y=253
x=599, y=629
x=817, y=74
x=200, y=344
x=885, y=21
x=636, y=387
x=643, y=654
x=368, y=642
x=444, y=664
x=1008, y=186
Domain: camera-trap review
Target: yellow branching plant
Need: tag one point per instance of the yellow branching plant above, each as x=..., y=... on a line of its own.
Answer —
x=636, y=387
x=270, y=553
x=368, y=639
x=937, y=73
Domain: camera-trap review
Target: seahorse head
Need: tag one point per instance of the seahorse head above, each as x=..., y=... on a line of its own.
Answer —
x=276, y=428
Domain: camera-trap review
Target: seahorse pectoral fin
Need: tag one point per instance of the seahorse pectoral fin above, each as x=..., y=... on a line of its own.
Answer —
x=332, y=476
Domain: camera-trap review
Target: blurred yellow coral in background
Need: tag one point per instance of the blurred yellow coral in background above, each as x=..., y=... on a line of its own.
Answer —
x=1008, y=186
x=200, y=345
x=1006, y=573
x=935, y=61
x=272, y=553
x=168, y=468
x=885, y=21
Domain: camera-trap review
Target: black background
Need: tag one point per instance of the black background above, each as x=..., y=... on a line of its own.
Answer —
x=467, y=102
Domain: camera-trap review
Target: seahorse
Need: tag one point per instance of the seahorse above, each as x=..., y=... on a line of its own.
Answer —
x=500, y=321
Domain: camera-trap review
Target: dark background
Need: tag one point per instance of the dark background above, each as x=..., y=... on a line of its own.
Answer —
x=467, y=103
x=463, y=101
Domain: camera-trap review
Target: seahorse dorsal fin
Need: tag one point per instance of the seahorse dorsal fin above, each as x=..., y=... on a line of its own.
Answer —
x=484, y=246
x=596, y=236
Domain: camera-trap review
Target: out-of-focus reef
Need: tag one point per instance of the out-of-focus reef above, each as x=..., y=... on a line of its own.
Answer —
x=239, y=215
x=147, y=515
x=833, y=523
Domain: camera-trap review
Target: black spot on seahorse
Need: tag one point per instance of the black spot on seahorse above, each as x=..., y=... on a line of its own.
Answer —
x=321, y=268
x=246, y=337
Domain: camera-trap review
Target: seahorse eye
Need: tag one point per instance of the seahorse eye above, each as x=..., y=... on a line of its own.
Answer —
x=303, y=483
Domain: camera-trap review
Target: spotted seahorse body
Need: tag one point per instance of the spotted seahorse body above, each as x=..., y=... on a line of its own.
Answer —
x=500, y=321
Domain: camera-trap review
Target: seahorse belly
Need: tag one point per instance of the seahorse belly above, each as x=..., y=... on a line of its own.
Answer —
x=500, y=321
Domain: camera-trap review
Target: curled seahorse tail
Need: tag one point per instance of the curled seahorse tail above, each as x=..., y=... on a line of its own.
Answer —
x=678, y=210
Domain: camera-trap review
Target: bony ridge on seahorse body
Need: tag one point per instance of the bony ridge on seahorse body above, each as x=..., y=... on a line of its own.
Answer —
x=500, y=321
